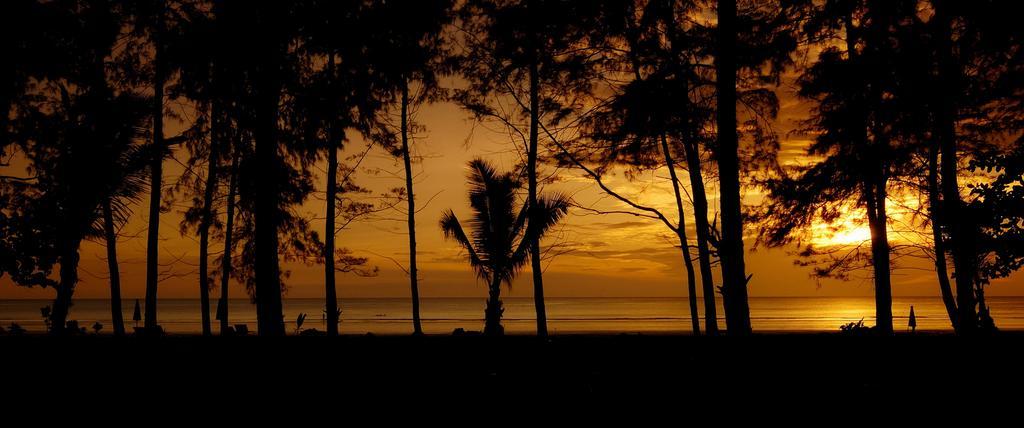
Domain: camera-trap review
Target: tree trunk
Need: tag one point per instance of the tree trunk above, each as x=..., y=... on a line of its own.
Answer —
x=156, y=176
x=229, y=225
x=66, y=288
x=875, y=194
x=961, y=229
x=204, y=226
x=684, y=243
x=734, y=279
x=877, y=222
x=493, y=311
x=116, y=314
x=531, y=173
x=331, y=293
x=270, y=321
x=329, y=273
x=417, y=329
x=700, y=216
x=934, y=211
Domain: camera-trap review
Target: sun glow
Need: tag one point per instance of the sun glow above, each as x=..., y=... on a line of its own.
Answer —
x=851, y=236
x=851, y=229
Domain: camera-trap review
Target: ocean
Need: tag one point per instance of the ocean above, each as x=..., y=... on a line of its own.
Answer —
x=565, y=315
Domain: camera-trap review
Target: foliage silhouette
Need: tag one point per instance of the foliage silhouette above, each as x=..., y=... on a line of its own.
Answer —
x=501, y=232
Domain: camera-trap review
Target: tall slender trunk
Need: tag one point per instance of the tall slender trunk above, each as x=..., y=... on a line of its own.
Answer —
x=940, y=246
x=684, y=242
x=204, y=224
x=531, y=173
x=270, y=319
x=877, y=222
x=700, y=201
x=156, y=176
x=229, y=225
x=417, y=329
x=66, y=288
x=961, y=229
x=710, y=317
x=734, y=279
x=700, y=218
x=116, y=314
x=329, y=272
x=331, y=293
x=874, y=191
x=494, y=310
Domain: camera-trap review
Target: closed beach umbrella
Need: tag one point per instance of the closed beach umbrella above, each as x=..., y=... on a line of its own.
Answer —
x=138, y=313
x=913, y=319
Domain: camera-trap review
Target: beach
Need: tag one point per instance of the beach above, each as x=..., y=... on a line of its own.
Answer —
x=598, y=374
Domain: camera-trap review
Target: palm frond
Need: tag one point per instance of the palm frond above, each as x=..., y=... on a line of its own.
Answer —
x=501, y=231
x=550, y=210
x=452, y=229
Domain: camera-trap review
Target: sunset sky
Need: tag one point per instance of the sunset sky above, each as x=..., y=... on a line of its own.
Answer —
x=601, y=255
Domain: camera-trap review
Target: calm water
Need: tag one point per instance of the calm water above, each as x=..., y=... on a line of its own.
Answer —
x=565, y=315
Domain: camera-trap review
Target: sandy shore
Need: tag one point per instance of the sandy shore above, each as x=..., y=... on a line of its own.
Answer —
x=581, y=370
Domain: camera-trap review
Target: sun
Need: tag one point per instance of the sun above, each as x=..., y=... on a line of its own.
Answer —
x=851, y=236
x=849, y=230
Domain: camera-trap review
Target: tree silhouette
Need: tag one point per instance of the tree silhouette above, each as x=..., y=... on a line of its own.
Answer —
x=328, y=108
x=226, y=255
x=753, y=43
x=997, y=211
x=734, y=279
x=32, y=39
x=29, y=45
x=231, y=69
x=910, y=101
x=523, y=62
x=72, y=125
x=500, y=231
x=860, y=94
x=414, y=54
x=343, y=94
x=153, y=28
x=199, y=57
x=962, y=232
x=651, y=120
x=977, y=64
x=126, y=169
x=263, y=64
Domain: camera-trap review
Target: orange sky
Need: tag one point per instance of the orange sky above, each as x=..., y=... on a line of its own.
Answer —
x=611, y=255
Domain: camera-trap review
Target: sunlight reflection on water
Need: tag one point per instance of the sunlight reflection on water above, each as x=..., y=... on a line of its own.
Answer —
x=565, y=315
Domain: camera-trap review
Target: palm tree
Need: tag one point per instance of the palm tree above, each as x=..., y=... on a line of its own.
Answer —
x=148, y=27
x=525, y=62
x=154, y=26
x=502, y=231
x=77, y=131
x=126, y=167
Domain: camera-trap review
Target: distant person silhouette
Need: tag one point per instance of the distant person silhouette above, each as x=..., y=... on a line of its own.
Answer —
x=913, y=320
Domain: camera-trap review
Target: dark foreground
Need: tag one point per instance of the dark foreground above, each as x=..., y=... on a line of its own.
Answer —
x=590, y=375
